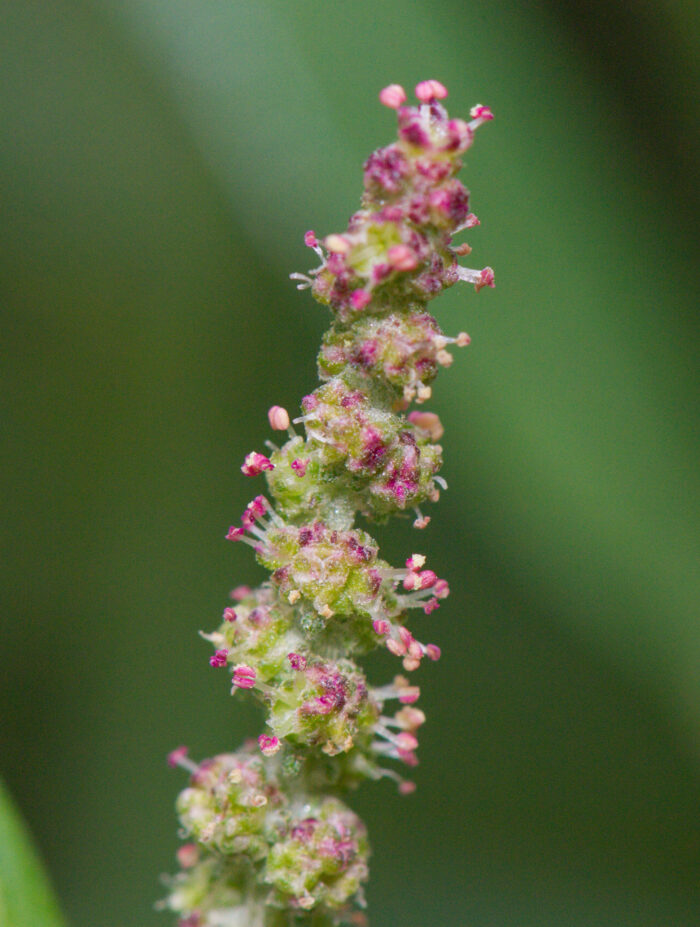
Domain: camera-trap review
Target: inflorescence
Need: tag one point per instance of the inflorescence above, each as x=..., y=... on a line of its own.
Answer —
x=269, y=842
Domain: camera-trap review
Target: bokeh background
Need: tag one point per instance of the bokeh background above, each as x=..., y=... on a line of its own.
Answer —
x=160, y=163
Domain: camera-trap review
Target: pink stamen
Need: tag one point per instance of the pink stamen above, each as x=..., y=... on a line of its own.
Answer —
x=396, y=647
x=240, y=593
x=406, y=741
x=219, y=658
x=392, y=96
x=429, y=90
x=427, y=421
x=177, y=756
x=486, y=278
x=310, y=241
x=480, y=112
x=230, y=614
x=244, y=676
x=410, y=718
x=277, y=416
x=428, y=579
x=255, y=463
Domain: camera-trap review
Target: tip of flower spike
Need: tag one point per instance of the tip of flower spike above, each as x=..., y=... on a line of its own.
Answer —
x=310, y=239
x=429, y=90
x=392, y=96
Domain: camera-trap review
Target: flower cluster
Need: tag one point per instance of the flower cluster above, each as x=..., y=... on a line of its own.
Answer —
x=269, y=843
x=252, y=845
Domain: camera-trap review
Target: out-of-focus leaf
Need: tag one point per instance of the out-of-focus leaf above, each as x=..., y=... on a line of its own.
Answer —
x=26, y=897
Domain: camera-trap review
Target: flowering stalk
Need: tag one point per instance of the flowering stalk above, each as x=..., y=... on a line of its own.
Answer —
x=270, y=843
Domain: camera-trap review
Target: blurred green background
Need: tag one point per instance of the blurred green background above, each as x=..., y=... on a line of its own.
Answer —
x=160, y=164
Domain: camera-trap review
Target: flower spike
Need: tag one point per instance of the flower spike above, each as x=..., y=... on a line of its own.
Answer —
x=268, y=838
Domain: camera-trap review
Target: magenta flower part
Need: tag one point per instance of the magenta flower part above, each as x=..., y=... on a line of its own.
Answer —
x=243, y=676
x=269, y=841
x=255, y=464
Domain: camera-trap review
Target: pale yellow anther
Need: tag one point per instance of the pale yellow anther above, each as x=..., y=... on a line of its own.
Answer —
x=294, y=596
x=444, y=358
x=337, y=244
x=463, y=339
x=326, y=612
x=424, y=393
